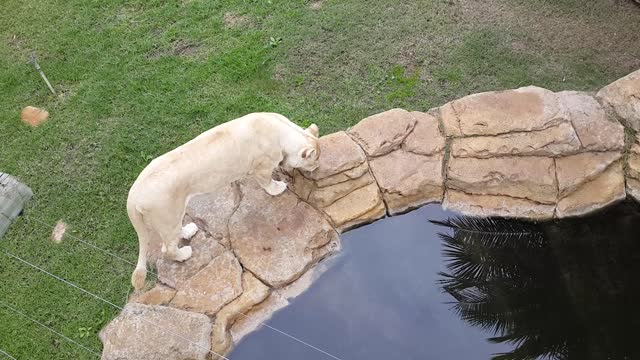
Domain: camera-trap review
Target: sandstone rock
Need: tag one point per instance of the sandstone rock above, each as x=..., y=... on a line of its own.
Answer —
x=553, y=141
x=143, y=332
x=531, y=178
x=500, y=206
x=253, y=293
x=34, y=116
x=633, y=188
x=347, y=175
x=596, y=131
x=360, y=207
x=633, y=161
x=259, y=314
x=381, y=133
x=300, y=185
x=498, y=112
x=425, y=139
x=211, y=288
x=450, y=120
x=278, y=299
x=173, y=273
x=604, y=190
x=159, y=295
x=338, y=153
x=624, y=96
x=275, y=237
x=212, y=211
x=575, y=170
x=408, y=180
x=325, y=196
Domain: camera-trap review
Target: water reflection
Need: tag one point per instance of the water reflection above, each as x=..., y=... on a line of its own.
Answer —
x=379, y=300
x=559, y=290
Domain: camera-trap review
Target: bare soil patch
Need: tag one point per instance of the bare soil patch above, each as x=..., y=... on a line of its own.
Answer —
x=177, y=48
x=183, y=48
x=316, y=5
x=233, y=20
x=611, y=36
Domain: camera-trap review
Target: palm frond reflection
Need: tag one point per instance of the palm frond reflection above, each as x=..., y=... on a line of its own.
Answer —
x=556, y=290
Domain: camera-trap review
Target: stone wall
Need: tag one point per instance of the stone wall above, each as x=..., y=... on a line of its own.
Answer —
x=526, y=153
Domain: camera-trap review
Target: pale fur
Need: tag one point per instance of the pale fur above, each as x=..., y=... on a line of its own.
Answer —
x=255, y=144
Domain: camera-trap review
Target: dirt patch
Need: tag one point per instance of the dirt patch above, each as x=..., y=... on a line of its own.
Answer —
x=182, y=48
x=611, y=36
x=177, y=48
x=233, y=20
x=278, y=72
x=15, y=43
x=408, y=58
x=316, y=5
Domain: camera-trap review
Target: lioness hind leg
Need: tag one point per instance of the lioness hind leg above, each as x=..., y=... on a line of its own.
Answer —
x=170, y=230
x=172, y=241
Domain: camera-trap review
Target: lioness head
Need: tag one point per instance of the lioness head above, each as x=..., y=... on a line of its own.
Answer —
x=307, y=156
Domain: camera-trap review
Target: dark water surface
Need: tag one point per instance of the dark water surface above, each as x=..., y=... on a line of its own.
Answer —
x=561, y=290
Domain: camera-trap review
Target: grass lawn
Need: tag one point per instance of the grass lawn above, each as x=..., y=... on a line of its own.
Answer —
x=136, y=79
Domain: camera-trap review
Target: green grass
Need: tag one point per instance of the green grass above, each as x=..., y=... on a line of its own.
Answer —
x=139, y=78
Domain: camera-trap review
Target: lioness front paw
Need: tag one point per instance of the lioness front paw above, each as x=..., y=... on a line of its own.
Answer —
x=276, y=187
x=184, y=253
x=189, y=230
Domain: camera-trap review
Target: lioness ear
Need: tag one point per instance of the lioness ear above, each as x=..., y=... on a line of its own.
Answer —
x=308, y=153
x=313, y=130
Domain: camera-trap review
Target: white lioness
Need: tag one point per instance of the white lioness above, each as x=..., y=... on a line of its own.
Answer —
x=254, y=144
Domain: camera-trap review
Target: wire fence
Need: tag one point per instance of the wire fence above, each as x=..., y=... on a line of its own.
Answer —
x=118, y=307
x=20, y=313
x=6, y=354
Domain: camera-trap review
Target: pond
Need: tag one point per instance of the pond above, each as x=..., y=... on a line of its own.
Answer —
x=484, y=287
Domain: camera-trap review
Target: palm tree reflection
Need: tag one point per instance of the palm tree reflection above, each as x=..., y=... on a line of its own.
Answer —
x=559, y=290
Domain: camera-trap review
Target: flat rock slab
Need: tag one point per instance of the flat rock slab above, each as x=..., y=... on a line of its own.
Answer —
x=347, y=175
x=408, y=180
x=158, y=295
x=143, y=332
x=381, y=133
x=254, y=293
x=634, y=160
x=531, y=178
x=360, y=207
x=596, y=131
x=212, y=211
x=211, y=288
x=426, y=138
x=498, y=206
x=205, y=248
x=276, y=237
x=338, y=153
x=499, y=112
x=575, y=170
x=633, y=171
x=553, y=141
x=624, y=96
x=323, y=197
x=633, y=188
x=604, y=190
